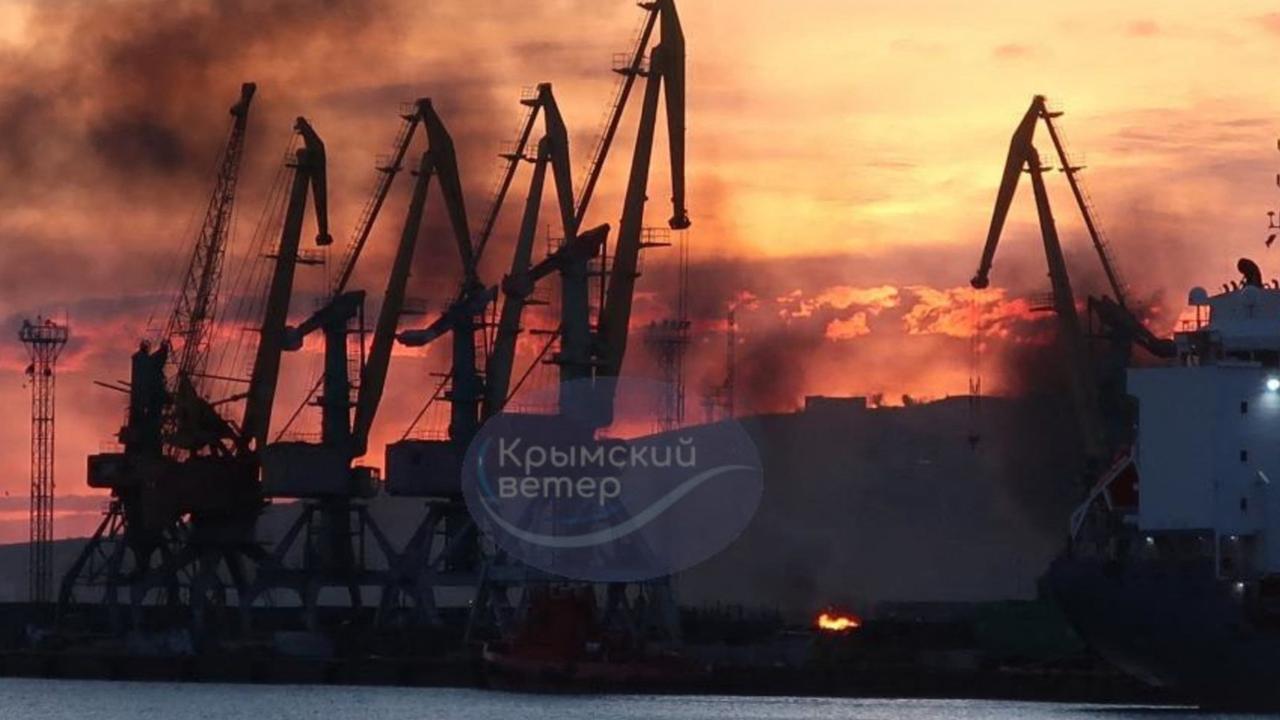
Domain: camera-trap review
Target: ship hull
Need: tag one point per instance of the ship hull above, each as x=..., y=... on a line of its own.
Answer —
x=1173, y=623
x=508, y=671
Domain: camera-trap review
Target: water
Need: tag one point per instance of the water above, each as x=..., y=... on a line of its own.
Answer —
x=98, y=700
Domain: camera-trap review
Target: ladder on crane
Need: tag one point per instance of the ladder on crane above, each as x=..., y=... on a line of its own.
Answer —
x=628, y=67
x=387, y=167
x=511, y=157
x=1087, y=210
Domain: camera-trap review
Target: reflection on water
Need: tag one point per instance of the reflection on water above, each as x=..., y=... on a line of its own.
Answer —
x=94, y=700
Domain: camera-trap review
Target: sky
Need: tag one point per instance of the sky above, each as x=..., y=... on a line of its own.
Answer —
x=843, y=159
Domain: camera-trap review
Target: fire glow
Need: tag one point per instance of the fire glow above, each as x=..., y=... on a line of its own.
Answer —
x=833, y=622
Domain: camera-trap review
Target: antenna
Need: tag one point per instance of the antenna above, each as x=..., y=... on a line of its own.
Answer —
x=1273, y=221
x=731, y=363
x=719, y=400
x=44, y=340
x=668, y=339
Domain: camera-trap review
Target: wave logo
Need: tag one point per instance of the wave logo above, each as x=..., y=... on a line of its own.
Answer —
x=561, y=493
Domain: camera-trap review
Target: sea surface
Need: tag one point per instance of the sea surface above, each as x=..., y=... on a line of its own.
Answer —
x=103, y=700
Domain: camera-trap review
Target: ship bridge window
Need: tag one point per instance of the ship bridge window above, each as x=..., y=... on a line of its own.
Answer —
x=1244, y=456
x=1244, y=407
x=1263, y=358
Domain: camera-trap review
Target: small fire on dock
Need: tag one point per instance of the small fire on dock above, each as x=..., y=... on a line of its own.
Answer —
x=831, y=621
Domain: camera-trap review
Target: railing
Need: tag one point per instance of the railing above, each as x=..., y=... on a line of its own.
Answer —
x=1042, y=302
x=300, y=436
x=624, y=63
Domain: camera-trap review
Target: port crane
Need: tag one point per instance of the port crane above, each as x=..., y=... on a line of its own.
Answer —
x=1114, y=313
x=309, y=175
x=184, y=504
x=482, y=396
x=387, y=171
x=321, y=474
x=138, y=521
x=334, y=523
x=552, y=152
x=432, y=468
x=600, y=354
x=665, y=76
x=586, y=351
x=191, y=425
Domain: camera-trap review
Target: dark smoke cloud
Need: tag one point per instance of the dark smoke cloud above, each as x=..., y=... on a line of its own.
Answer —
x=114, y=114
x=138, y=144
x=772, y=371
x=141, y=88
x=25, y=116
x=127, y=140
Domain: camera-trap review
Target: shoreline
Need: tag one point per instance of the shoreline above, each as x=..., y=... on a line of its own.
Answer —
x=469, y=673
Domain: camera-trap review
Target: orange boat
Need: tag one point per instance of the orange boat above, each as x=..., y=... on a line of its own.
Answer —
x=561, y=646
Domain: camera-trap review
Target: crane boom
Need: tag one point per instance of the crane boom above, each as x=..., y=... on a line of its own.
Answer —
x=513, y=159
x=440, y=160
x=1023, y=157
x=570, y=256
x=1014, y=164
x=309, y=174
x=466, y=393
x=666, y=66
x=1086, y=212
x=557, y=139
x=364, y=226
x=444, y=163
x=1118, y=318
x=386, y=177
x=629, y=75
x=1083, y=388
x=553, y=153
x=1023, y=136
x=373, y=377
x=673, y=69
x=516, y=289
x=460, y=317
x=197, y=299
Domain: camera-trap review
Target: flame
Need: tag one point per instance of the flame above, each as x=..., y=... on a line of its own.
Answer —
x=834, y=622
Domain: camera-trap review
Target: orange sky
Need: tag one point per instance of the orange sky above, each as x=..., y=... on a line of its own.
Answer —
x=843, y=157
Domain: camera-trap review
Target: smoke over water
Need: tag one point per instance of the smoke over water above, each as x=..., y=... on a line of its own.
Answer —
x=112, y=115
x=849, y=325
x=138, y=89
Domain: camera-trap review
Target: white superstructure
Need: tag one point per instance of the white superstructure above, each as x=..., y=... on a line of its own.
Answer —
x=1208, y=432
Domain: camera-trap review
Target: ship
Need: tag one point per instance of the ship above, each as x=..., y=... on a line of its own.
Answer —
x=562, y=644
x=1172, y=571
